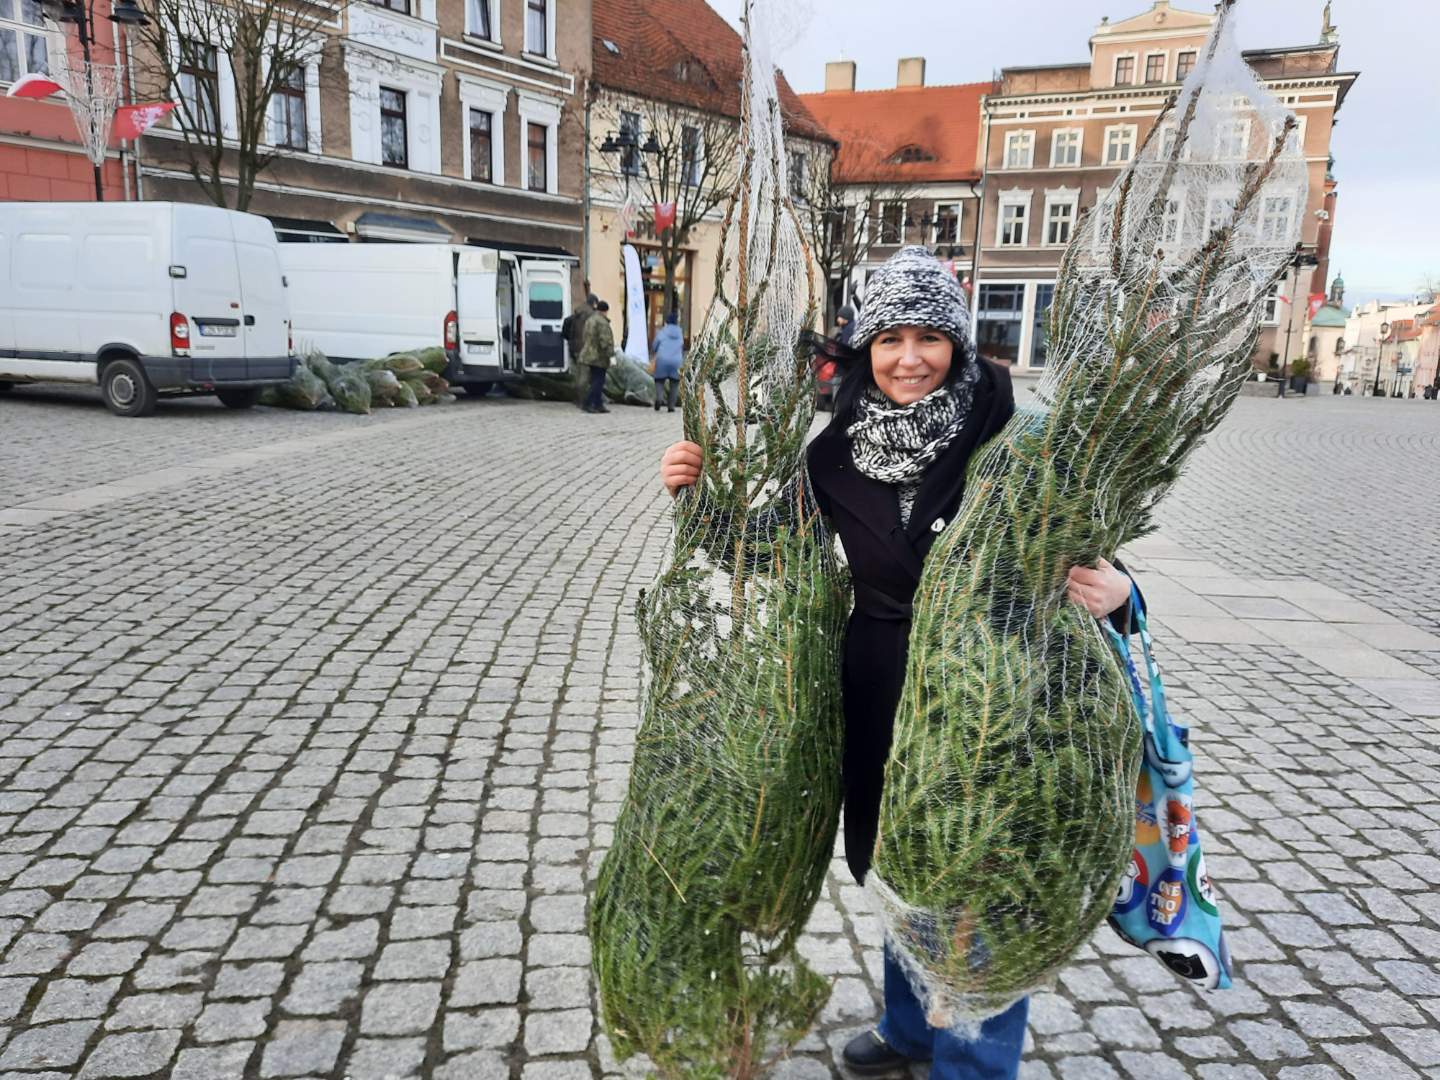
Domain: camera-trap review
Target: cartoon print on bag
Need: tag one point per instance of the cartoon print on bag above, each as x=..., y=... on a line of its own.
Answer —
x=1200, y=887
x=1177, y=818
x=1147, y=827
x=1189, y=959
x=1174, y=773
x=1167, y=901
x=1135, y=885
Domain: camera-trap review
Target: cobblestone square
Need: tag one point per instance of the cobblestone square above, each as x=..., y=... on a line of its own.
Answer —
x=313, y=729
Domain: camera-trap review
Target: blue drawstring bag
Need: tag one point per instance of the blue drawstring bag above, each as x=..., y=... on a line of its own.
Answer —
x=1165, y=903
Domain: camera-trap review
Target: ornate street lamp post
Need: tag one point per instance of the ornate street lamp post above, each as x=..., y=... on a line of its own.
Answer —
x=1380, y=358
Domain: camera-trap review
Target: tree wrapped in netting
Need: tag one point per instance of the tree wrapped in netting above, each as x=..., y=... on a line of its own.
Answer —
x=727, y=829
x=1008, y=811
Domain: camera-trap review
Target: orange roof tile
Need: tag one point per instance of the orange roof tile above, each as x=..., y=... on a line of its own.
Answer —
x=681, y=51
x=942, y=123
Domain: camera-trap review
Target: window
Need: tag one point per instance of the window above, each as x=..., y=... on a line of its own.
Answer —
x=1124, y=71
x=1119, y=144
x=1275, y=218
x=1184, y=65
x=537, y=162
x=1218, y=212
x=1059, y=222
x=482, y=146
x=1039, y=345
x=547, y=300
x=289, y=110
x=1019, y=149
x=1233, y=139
x=537, y=27
x=1065, y=148
x=478, y=20
x=1014, y=216
x=690, y=157
x=394, y=133
x=1168, y=136
x=1155, y=65
x=402, y=6
x=1270, y=313
x=630, y=156
x=999, y=318
x=199, y=85
x=892, y=223
x=947, y=223
x=1172, y=227
x=911, y=154
x=797, y=174
x=24, y=48
x=842, y=222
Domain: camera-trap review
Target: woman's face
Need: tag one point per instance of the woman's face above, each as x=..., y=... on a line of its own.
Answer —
x=909, y=362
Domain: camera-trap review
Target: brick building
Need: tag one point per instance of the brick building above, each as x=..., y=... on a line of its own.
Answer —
x=1055, y=137
x=41, y=155
x=909, y=163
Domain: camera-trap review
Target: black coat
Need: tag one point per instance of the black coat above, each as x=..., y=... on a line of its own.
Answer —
x=886, y=560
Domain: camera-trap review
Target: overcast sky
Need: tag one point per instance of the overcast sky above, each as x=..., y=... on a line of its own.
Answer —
x=1387, y=140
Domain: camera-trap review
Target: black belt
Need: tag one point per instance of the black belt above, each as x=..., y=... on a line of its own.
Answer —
x=874, y=604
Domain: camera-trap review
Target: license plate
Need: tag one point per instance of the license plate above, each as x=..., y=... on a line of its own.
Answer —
x=212, y=330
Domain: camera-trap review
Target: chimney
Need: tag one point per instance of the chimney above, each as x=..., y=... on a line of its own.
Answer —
x=840, y=76
x=912, y=72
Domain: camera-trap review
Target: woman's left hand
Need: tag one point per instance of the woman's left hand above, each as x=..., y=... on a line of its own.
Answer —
x=1099, y=591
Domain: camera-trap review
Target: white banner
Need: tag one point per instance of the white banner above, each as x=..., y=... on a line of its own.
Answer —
x=636, y=346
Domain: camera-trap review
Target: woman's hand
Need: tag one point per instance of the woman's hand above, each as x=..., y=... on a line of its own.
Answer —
x=1099, y=591
x=680, y=467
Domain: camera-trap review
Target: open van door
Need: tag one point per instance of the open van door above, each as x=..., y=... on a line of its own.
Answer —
x=546, y=291
x=486, y=295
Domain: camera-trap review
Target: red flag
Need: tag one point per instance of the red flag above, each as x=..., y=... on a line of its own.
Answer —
x=132, y=121
x=1317, y=301
x=33, y=86
x=664, y=216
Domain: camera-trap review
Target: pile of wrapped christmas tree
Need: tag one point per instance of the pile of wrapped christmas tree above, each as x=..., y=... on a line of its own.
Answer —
x=401, y=380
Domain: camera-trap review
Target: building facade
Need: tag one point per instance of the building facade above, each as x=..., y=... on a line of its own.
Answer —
x=1055, y=138
x=41, y=155
x=411, y=120
x=907, y=165
x=1381, y=342
x=663, y=112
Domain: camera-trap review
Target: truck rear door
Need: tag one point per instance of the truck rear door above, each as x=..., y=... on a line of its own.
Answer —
x=265, y=315
x=546, y=288
x=476, y=307
x=208, y=293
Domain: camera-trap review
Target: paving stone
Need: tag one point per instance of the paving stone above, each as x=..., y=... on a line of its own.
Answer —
x=302, y=1047
x=134, y=1053
x=385, y=1059
x=488, y=982
x=154, y=1011
x=49, y=1046
x=399, y=1008
x=565, y=1031
x=74, y=999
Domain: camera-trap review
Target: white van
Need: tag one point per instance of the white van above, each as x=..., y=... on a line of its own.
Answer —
x=145, y=299
x=496, y=313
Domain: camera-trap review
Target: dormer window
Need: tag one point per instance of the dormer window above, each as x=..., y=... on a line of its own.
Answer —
x=912, y=153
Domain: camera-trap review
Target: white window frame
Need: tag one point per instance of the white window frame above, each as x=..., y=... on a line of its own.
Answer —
x=420, y=82
x=493, y=98
x=1270, y=313
x=1133, y=131
x=1026, y=144
x=1134, y=59
x=1164, y=71
x=549, y=53
x=880, y=238
x=1182, y=202
x=54, y=39
x=1055, y=162
x=1214, y=197
x=314, y=137
x=1299, y=133
x=225, y=84
x=699, y=163
x=1022, y=199
x=1225, y=143
x=1265, y=201
x=959, y=208
x=1193, y=64
x=535, y=109
x=470, y=29
x=1060, y=197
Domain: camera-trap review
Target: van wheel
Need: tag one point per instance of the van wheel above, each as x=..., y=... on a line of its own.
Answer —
x=126, y=390
x=6, y=387
x=239, y=397
x=478, y=389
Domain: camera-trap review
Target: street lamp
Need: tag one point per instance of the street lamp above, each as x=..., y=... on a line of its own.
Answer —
x=81, y=13
x=626, y=143
x=1380, y=358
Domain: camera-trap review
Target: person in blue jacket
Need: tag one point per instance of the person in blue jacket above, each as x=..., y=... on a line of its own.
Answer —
x=668, y=349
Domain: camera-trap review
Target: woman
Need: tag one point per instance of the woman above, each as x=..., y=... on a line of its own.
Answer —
x=914, y=407
x=669, y=350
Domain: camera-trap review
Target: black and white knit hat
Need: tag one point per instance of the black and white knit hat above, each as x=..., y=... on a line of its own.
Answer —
x=913, y=288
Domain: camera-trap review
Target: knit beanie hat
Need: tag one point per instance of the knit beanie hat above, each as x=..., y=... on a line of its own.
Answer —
x=914, y=289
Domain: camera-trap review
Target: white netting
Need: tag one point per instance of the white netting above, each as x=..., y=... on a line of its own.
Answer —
x=1009, y=804
x=93, y=92
x=722, y=845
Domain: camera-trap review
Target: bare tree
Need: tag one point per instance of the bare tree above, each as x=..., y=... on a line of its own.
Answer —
x=656, y=153
x=180, y=54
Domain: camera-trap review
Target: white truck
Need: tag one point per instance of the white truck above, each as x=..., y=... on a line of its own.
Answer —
x=497, y=313
x=146, y=299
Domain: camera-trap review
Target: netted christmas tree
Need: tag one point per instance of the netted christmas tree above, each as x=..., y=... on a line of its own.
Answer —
x=727, y=829
x=1008, y=811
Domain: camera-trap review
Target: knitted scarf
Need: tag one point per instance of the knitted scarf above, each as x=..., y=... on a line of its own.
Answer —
x=895, y=444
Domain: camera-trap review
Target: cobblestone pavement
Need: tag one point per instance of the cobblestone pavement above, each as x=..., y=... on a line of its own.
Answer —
x=312, y=729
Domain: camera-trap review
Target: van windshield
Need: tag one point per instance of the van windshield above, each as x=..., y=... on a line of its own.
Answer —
x=547, y=300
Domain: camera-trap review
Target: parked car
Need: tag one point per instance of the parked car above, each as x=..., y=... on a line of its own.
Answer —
x=148, y=300
x=496, y=313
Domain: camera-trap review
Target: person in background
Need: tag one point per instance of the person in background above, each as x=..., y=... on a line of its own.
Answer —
x=845, y=325
x=668, y=348
x=597, y=353
x=573, y=331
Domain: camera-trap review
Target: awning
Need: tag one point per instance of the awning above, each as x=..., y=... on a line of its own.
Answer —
x=304, y=231
x=523, y=249
x=401, y=229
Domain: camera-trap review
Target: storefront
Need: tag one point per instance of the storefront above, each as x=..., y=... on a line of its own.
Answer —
x=1010, y=322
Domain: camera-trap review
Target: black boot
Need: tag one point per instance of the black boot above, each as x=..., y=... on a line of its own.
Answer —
x=869, y=1055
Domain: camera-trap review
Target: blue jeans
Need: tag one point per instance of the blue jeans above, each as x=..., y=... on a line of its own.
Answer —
x=995, y=1055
